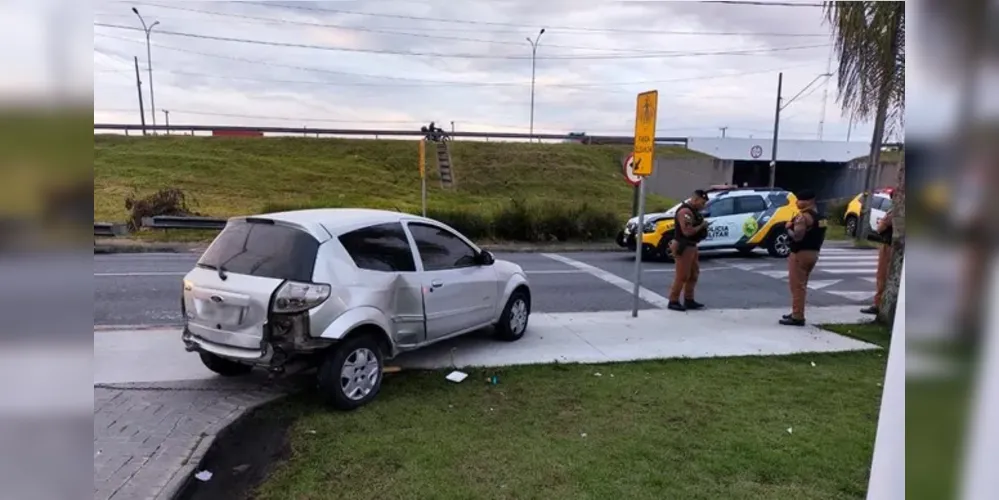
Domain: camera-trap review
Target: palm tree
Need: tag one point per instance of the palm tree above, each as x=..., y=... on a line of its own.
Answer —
x=870, y=43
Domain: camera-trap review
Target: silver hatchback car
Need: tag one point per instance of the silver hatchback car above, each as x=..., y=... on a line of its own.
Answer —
x=346, y=288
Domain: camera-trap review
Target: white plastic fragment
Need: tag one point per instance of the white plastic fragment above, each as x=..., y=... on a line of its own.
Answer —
x=813, y=363
x=598, y=374
x=456, y=376
x=790, y=430
x=582, y=435
x=203, y=475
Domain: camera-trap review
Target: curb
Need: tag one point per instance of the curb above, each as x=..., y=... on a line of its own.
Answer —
x=113, y=247
x=182, y=478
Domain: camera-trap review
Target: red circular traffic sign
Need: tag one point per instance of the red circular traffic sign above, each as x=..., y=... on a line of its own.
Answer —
x=629, y=170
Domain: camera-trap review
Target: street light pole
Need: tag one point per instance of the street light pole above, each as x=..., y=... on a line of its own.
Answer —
x=534, y=54
x=149, y=62
x=779, y=108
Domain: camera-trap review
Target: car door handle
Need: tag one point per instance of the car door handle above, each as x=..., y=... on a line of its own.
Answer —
x=436, y=283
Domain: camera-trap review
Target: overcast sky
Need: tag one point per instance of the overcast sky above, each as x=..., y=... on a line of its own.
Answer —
x=356, y=64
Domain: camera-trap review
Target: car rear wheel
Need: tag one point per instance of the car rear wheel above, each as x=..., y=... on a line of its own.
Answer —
x=665, y=254
x=513, y=323
x=780, y=244
x=224, y=367
x=351, y=374
x=851, y=226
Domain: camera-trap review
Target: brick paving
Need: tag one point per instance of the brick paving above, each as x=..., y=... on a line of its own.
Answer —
x=149, y=438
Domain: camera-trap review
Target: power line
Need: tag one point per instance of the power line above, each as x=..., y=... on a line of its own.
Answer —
x=759, y=3
x=664, y=55
x=590, y=86
x=384, y=31
x=535, y=27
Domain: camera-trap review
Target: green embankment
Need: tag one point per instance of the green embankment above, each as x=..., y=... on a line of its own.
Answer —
x=232, y=176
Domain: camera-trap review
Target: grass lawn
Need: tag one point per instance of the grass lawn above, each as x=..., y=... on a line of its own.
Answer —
x=774, y=427
x=874, y=333
x=235, y=176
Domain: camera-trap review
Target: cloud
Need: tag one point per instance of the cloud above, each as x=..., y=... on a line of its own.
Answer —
x=714, y=65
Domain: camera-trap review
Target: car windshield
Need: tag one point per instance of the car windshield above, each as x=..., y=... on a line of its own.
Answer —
x=263, y=249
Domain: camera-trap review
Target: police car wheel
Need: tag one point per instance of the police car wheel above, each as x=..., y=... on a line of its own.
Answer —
x=851, y=226
x=665, y=254
x=779, y=245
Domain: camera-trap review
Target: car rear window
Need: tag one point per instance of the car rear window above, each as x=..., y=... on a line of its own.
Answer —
x=263, y=249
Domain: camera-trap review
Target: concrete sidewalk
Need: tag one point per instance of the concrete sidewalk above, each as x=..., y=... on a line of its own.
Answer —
x=157, y=355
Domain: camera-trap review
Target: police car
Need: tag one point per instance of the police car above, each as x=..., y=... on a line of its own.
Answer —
x=880, y=205
x=626, y=236
x=741, y=219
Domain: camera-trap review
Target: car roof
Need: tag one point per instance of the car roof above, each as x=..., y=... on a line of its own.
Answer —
x=746, y=191
x=327, y=222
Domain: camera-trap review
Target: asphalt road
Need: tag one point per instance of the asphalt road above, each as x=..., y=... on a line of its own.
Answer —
x=144, y=289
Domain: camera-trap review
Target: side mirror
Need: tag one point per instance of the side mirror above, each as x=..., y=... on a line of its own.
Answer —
x=485, y=258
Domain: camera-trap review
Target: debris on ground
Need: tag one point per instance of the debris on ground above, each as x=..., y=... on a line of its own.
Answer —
x=598, y=374
x=310, y=431
x=203, y=475
x=239, y=469
x=790, y=430
x=582, y=435
x=392, y=369
x=456, y=376
x=813, y=363
x=493, y=380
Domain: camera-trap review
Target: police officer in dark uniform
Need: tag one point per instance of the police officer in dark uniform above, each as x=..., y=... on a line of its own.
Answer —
x=808, y=232
x=690, y=228
x=885, y=234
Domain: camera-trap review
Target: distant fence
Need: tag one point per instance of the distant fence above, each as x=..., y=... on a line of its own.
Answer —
x=226, y=130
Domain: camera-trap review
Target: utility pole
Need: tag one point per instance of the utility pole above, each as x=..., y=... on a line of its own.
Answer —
x=534, y=54
x=825, y=95
x=723, y=129
x=149, y=62
x=773, y=148
x=166, y=115
x=452, y=130
x=138, y=86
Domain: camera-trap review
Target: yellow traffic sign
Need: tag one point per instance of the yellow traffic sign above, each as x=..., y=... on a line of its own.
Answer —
x=645, y=132
x=423, y=157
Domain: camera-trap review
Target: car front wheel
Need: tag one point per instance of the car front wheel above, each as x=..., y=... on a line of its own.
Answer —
x=780, y=244
x=851, y=226
x=351, y=374
x=513, y=323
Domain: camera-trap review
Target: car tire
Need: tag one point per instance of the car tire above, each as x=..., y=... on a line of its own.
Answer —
x=779, y=243
x=664, y=253
x=851, y=226
x=351, y=374
x=513, y=322
x=224, y=367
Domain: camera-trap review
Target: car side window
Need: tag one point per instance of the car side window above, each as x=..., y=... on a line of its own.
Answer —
x=749, y=204
x=380, y=248
x=441, y=249
x=779, y=200
x=720, y=207
x=883, y=204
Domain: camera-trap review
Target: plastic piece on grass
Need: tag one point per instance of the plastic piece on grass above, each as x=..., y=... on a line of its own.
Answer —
x=203, y=475
x=457, y=376
x=790, y=430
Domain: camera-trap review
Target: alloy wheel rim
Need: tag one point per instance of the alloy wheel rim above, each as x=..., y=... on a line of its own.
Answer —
x=359, y=374
x=518, y=317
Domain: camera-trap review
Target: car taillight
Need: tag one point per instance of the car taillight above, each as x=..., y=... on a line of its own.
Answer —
x=294, y=297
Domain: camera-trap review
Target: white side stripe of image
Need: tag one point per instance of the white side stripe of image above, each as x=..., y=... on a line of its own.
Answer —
x=626, y=285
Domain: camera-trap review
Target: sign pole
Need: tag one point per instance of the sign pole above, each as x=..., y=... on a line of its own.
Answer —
x=639, y=232
x=646, y=110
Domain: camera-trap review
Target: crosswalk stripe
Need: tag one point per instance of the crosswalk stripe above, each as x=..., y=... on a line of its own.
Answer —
x=820, y=284
x=866, y=258
x=848, y=271
x=857, y=296
x=867, y=265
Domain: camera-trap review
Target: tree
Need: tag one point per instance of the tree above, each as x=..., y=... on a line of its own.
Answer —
x=870, y=44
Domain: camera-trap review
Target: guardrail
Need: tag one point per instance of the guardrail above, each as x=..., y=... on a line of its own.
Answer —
x=109, y=230
x=605, y=139
x=176, y=222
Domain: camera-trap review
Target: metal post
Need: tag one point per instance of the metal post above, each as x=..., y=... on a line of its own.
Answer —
x=138, y=86
x=534, y=54
x=149, y=62
x=639, y=232
x=634, y=201
x=166, y=114
x=773, y=149
x=423, y=194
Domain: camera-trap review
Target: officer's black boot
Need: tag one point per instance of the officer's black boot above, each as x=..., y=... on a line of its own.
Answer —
x=870, y=310
x=692, y=304
x=675, y=306
x=791, y=321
